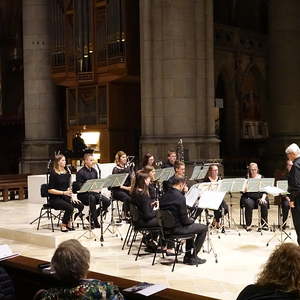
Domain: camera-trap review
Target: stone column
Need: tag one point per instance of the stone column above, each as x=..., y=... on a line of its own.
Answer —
x=40, y=104
x=284, y=75
x=177, y=82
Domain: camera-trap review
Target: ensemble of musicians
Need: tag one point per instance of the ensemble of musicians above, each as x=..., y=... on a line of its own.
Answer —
x=142, y=190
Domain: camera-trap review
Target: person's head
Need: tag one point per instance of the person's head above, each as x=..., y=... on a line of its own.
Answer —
x=282, y=269
x=178, y=182
x=148, y=160
x=292, y=151
x=150, y=171
x=88, y=159
x=253, y=170
x=289, y=165
x=213, y=171
x=142, y=181
x=171, y=157
x=71, y=261
x=59, y=162
x=121, y=158
x=179, y=167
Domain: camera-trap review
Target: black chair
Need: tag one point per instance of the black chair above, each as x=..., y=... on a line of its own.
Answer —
x=46, y=210
x=166, y=222
x=136, y=229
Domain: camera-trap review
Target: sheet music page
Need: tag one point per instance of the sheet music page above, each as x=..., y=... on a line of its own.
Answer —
x=203, y=173
x=274, y=191
x=195, y=173
x=192, y=195
x=253, y=185
x=282, y=184
x=6, y=252
x=204, y=186
x=264, y=182
x=238, y=185
x=211, y=199
x=225, y=185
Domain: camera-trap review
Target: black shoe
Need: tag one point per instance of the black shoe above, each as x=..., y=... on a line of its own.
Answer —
x=96, y=224
x=265, y=227
x=199, y=260
x=70, y=228
x=189, y=260
x=64, y=229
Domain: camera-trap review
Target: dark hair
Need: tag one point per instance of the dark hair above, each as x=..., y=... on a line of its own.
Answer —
x=71, y=261
x=139, y=185
x=177, y=180
x=178, y=164
x=147, y=169
x=282, y=269
x=146, y=159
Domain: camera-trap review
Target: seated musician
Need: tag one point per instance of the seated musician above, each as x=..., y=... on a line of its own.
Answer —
x=149, y=160
x=213, y=176
x=60, y=194
x=122, y=193
x=175, y=202
x=179, y=167
x=91, y=199
x=71, y=263
x=153, y=188
x=170, y=161
x=251, y=200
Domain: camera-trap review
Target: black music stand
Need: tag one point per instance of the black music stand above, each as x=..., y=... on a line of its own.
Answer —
x=114, y=180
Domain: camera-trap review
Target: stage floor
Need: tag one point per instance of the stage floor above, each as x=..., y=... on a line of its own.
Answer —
x=239, y=257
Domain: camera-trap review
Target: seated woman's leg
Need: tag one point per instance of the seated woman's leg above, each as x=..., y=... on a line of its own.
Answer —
x=60, y=203
x=249, y=206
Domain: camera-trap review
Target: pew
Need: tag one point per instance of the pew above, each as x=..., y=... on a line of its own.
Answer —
x=12, y=184
x=28, y=279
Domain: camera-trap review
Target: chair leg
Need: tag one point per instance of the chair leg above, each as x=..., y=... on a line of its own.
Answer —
x=41, y=215
x=176, y=254
x=51, y=221
x=140, y=246
x=161, y=246
x=127, y=236
x=133, y=239
x=130, y=233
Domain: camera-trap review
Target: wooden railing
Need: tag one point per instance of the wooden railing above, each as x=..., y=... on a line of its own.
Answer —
x=28, y=279
x=13, y=187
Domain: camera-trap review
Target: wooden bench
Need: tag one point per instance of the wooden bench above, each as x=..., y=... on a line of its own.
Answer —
x=28, y=279
x=12, y=184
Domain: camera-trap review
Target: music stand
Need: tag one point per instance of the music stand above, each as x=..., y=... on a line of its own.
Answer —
x=199, y=173
x=92, y=185
x=114, y=180
x=211, y=200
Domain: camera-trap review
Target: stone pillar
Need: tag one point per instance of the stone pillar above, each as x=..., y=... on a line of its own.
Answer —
x=177, y=82
x=284, y=75
x=40, y=108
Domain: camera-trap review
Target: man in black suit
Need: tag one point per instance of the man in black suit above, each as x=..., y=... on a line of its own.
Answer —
x=91, y=198
x=175, y=202
x=293, y=154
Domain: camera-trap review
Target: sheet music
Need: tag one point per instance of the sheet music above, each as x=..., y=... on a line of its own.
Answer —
x=282, y=184
x=274, y=191
x=225, y=185
x=195, y=173
x=264, y=182
x=192, y=195
x=238, y=185
x=211, y=200
x=253, y=185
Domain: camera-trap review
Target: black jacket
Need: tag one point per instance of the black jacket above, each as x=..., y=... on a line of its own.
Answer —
x=294, y=180
x=175, y=202
x=83, y=175
x=143, y=202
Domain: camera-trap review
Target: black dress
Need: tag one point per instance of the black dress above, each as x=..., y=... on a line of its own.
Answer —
x=61, y=182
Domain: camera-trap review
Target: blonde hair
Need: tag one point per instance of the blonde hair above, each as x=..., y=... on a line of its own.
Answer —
x=71, y=261
x=118, y=155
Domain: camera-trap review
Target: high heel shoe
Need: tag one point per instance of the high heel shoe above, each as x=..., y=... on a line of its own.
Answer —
x=70, y=228
x=78, y=214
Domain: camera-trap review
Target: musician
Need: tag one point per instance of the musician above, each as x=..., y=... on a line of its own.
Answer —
x=60, y=194
x=179, y=167
x=174, y=201
x=251, y=200
x=171, y=160
x=149, y=160
x=293, y=153
x=78, y=144
x=153, y=185
x=213, y=176
x=122, y=193
x=92, y=199
x=285, y=200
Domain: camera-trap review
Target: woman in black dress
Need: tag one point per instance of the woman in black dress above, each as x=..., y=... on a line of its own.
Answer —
x=60, y=194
